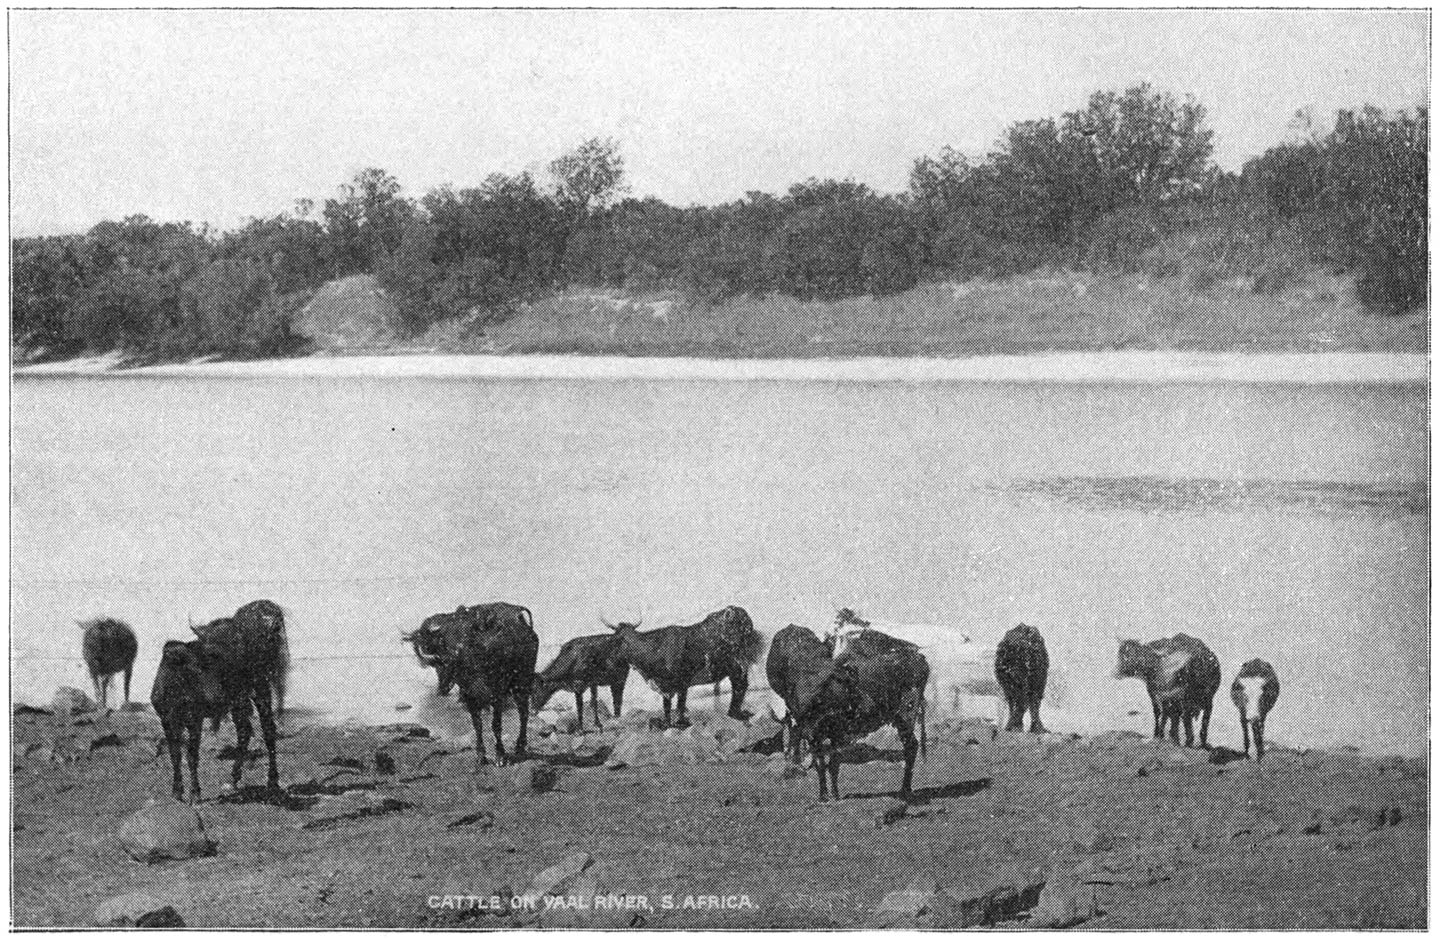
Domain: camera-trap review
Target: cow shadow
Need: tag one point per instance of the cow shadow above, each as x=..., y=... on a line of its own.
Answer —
x=567, y=759
x=923, y=795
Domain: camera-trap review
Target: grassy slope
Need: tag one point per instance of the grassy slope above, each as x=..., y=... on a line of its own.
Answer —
x=1061, y=312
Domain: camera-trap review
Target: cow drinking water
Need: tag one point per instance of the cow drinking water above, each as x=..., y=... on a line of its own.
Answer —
x=1181, y=676
x=586, y=662
x=1254, y=693
x=1021, y=666
x=794, y=651
x=109, y=647
x=722, y=646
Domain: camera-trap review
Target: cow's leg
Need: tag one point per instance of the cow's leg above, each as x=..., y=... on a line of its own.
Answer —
x=240, y=714
x=194, y=724
x=1159, y=711
x=595, y=705
x=480, y=757
x=680, y=720
x=1245, y=731
x=1189, y=715
x=739, y=685
x=911, y=746
x=95, y=685
x=1036, y=725
x=832, y=764
x=1259, y=738
x=580, y=706
x=817, y=757
x=1205, y=725
x=522, y=708
x=128, y=669
x=268, y=732
x=665, y=700
x=617, y=694
x=173, y=731
x=497, y=725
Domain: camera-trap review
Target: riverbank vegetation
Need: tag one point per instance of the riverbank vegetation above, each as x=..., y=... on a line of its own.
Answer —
x=1109, y=227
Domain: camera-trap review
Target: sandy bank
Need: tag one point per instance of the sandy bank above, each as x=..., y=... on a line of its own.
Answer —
x=1097, y=368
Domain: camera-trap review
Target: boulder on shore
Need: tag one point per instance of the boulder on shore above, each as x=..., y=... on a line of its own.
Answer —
x=136, y=910
x=70, y=701
x=161, y=831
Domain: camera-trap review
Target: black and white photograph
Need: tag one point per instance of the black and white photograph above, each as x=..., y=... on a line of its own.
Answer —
x=699, y=469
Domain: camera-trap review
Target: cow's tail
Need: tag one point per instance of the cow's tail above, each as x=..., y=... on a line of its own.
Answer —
x=924, y=735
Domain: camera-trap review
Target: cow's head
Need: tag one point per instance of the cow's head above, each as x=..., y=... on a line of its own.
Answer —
x=1134, y=661
x=623, y=628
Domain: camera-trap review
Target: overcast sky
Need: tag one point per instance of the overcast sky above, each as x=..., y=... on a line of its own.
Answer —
x=215, y=116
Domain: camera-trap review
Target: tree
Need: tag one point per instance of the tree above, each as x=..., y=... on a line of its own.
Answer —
x=589, y=178
x=367, y=223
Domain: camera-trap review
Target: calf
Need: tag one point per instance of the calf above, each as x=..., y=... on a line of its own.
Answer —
x=185, y=693
x=586, y=662
x=855, y=694
x=722, y=646
x=1181, y=676
x=1254, y=692
x=489, y=653
x=109, y=647
x=794, y=651
x=1021, y=666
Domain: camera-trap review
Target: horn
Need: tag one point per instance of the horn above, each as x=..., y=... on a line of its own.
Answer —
x=601, y=615
x=406, y=637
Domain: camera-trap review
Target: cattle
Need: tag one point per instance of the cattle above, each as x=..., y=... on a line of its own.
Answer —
x=489, y=653
x=234, y=663
x=428, y=642
x=1021, y=666
x=109, y=647
x=794, y=651
x=958, y=666
x=722, y=646
x=1254, y=693
x=185, y=693
x=854, y=694
x=1181, y=676
x=586, y=662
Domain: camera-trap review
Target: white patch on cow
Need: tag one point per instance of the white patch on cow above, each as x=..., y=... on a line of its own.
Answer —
x=1170, y=666
x=1251, y=687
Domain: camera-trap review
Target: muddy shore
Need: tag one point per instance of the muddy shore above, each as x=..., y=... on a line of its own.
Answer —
x=1148, y=834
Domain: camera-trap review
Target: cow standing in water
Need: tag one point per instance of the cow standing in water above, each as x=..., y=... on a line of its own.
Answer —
x=1254, y=693
x=109, y=647
x=1021, y=666
x=586, y=662
x=722, y=646
x=1181, y=676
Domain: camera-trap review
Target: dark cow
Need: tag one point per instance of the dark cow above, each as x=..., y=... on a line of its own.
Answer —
x=854, y=694
x=586, y=662
x=1021, y=667
x=1254, y=692
x=235, y=663
x=489, y=653
x=185, y=693
x=429, y=644
x=794, y=651
x=722, y=646
x=109, y=647
x=1181, y=675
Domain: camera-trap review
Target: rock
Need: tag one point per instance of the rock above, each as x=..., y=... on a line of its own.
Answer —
x=70, y=701
x=135, y=707
x=384, y=763
x=165, y=831
x=674, y=747
x=1064, y=902
x=136, y=910
x=106, y=740
x=534, y=776
x=1003, y=896
x=405, y=729
x=21, y=710
x=403, y=706
x=555, y=876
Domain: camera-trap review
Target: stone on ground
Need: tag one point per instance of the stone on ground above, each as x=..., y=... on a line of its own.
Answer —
x=165, y=830
x=136, y=910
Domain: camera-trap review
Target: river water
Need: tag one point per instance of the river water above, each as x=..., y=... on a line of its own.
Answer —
x=1286, y=522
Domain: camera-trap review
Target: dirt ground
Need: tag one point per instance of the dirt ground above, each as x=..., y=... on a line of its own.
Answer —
x=1156, y=836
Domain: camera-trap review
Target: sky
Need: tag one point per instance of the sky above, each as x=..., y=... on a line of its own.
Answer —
x=216, y=116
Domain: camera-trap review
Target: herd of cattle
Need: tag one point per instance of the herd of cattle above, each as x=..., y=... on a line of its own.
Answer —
x=848, y=684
